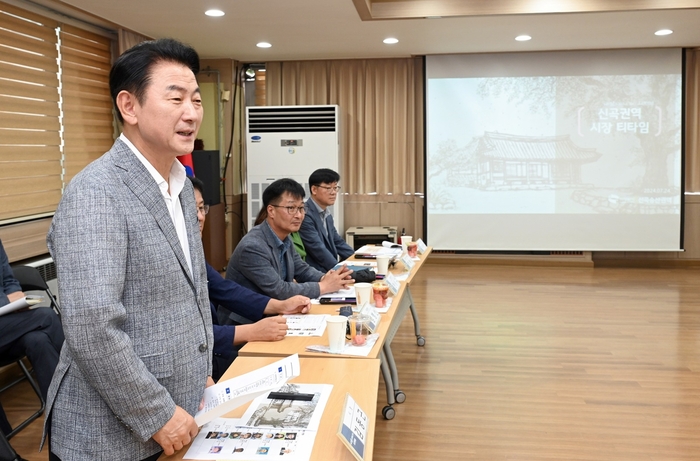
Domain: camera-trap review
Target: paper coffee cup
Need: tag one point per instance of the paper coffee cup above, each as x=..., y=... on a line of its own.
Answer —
x=405, y=239
x=383, y=264
x=363, y=293
x=335, y=326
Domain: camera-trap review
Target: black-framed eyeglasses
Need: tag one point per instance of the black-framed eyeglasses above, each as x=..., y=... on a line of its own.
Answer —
x=330, y=188
x=204, y=209
x=292, y=210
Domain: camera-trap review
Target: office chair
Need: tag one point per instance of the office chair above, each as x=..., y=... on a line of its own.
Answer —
x=26, y=374
x=7, y=453
x=29, y=279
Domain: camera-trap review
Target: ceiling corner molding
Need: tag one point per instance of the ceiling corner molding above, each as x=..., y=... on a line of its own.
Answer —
x=364, y=9
x=374, y=10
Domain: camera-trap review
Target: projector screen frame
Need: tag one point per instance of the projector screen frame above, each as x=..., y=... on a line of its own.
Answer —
x=545, y=251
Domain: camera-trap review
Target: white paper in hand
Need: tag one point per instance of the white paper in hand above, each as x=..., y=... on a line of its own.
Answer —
x=228, y=395
x=21, y=303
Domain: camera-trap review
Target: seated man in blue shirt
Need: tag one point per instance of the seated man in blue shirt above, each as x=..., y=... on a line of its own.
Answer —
x=321, y=240
x=264, y=259
x=245, y=303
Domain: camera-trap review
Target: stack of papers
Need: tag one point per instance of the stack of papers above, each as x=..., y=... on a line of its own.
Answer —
x=280, y=423
x=228, y=395
x=21, y=303
x=350, y=349
x=374, y=251
x=343, y=296
x=306, y=325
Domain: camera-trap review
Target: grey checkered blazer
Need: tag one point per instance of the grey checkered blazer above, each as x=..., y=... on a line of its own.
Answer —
x=137, y=323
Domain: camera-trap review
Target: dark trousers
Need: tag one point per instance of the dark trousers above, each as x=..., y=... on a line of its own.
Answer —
x=6, y=451
x=36, y=333
x=5, y=427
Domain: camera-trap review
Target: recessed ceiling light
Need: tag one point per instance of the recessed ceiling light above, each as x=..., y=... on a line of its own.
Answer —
x=523, y=38
x=391, y=40
x=663, y=32
x=263, y=45
x=214, y=13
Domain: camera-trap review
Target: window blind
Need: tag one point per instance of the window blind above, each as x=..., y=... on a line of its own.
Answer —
x=30, y=154
x=87, y=105
x=55, y=118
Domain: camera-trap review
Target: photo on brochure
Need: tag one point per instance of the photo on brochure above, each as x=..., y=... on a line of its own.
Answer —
x=283, y=413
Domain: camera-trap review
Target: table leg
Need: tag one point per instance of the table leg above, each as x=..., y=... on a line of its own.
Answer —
x=388, y=411
x=420, y=340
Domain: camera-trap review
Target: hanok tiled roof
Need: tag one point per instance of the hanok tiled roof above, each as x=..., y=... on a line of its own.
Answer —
x=548, y=148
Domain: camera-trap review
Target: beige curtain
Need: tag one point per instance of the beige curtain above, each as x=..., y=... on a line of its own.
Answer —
x=127, y=39
x=692, y=120
x=381, y=107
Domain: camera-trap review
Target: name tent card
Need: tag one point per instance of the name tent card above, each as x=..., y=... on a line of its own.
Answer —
x=374, y=317
x=421, y=246
x=393, y=283
x=408, y=262
x=353, y=428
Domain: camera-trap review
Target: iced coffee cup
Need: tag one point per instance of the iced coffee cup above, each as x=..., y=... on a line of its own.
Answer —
x=358, y=329
x=412, y=249
x=380, y=293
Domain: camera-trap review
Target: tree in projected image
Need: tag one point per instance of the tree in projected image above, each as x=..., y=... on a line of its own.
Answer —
x=602, y=104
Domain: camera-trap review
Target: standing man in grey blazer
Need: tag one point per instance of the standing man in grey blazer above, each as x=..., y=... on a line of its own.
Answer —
x=131, y=275
x=322, y=242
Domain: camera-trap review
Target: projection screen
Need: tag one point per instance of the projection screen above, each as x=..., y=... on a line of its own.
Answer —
x=554, y=150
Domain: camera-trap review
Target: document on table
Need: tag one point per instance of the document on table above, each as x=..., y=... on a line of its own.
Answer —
x=340, y=295
x=356, y=267
x=372, y=250
x=306, y=325
x=21, y=303
x=228, y=395
x=349, y=349
x=281, y=423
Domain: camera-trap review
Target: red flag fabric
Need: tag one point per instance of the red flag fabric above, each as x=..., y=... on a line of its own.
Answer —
x=186, y=161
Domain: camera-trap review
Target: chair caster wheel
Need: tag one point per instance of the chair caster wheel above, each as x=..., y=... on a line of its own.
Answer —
x=388, y=412
x=420, y=341
x=399, y=396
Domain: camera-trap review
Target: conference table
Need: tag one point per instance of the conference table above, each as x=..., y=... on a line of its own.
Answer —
x=401, y=304
x=359, y=378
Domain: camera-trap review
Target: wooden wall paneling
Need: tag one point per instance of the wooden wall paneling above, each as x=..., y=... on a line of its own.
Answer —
x=235, y=219
x=404, y=212
x=418, y=226
x=691, y=233
x=25, y=240
x=399, y=212
x=360, y=211
x=214, y=237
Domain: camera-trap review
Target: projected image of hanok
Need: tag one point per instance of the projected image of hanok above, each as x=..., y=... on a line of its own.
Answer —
x=554, y=150
x=503, y=161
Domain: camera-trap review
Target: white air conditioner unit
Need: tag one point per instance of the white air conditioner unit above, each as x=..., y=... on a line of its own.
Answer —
x=290, y=142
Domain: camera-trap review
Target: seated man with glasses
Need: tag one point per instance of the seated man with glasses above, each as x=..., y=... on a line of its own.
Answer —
x=263, y=316
x=265, y=260
x=321, y=240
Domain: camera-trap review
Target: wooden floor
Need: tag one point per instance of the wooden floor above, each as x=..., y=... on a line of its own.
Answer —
x=532, y=363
